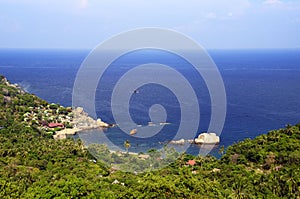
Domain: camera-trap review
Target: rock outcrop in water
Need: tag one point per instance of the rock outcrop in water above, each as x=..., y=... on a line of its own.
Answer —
x=181, y=141
x=203, y=138
x=81, y=121
x=207, y=138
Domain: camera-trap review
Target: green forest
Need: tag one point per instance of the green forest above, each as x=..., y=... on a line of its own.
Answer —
x=34, y=165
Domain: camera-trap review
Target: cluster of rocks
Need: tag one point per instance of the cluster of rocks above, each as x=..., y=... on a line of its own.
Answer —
x=82, y=121
x=203, y=138
x=207, y=138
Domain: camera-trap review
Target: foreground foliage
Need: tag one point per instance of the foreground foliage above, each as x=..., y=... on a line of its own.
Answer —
x=33, y=165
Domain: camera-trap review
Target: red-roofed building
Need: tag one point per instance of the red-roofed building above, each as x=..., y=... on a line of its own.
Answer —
x=191, y=162
x=54, y=125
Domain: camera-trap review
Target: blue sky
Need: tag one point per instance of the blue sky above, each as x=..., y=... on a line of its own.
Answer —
x=86, y=23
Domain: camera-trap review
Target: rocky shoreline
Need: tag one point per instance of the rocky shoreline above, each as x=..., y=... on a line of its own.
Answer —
x=81, y=121
x=51, y=118
x=64, y=121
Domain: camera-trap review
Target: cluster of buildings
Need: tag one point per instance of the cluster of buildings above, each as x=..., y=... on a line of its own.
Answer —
x=49, y=118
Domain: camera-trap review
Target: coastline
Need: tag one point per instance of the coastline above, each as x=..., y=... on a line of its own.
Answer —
x=81, y=121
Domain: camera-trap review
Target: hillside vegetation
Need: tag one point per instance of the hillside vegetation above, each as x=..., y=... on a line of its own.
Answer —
x=34, y=165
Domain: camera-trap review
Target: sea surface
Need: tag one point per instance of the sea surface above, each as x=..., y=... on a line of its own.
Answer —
x=262, y=89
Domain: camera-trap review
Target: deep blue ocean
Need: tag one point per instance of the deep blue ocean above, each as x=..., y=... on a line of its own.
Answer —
x=262, y=87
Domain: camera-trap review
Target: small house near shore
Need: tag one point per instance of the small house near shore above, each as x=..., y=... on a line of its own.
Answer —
x=55, y=125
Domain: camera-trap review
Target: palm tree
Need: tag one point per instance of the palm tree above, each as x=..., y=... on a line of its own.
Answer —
x=288, y=129
x=127, y=145
x=221, y=150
